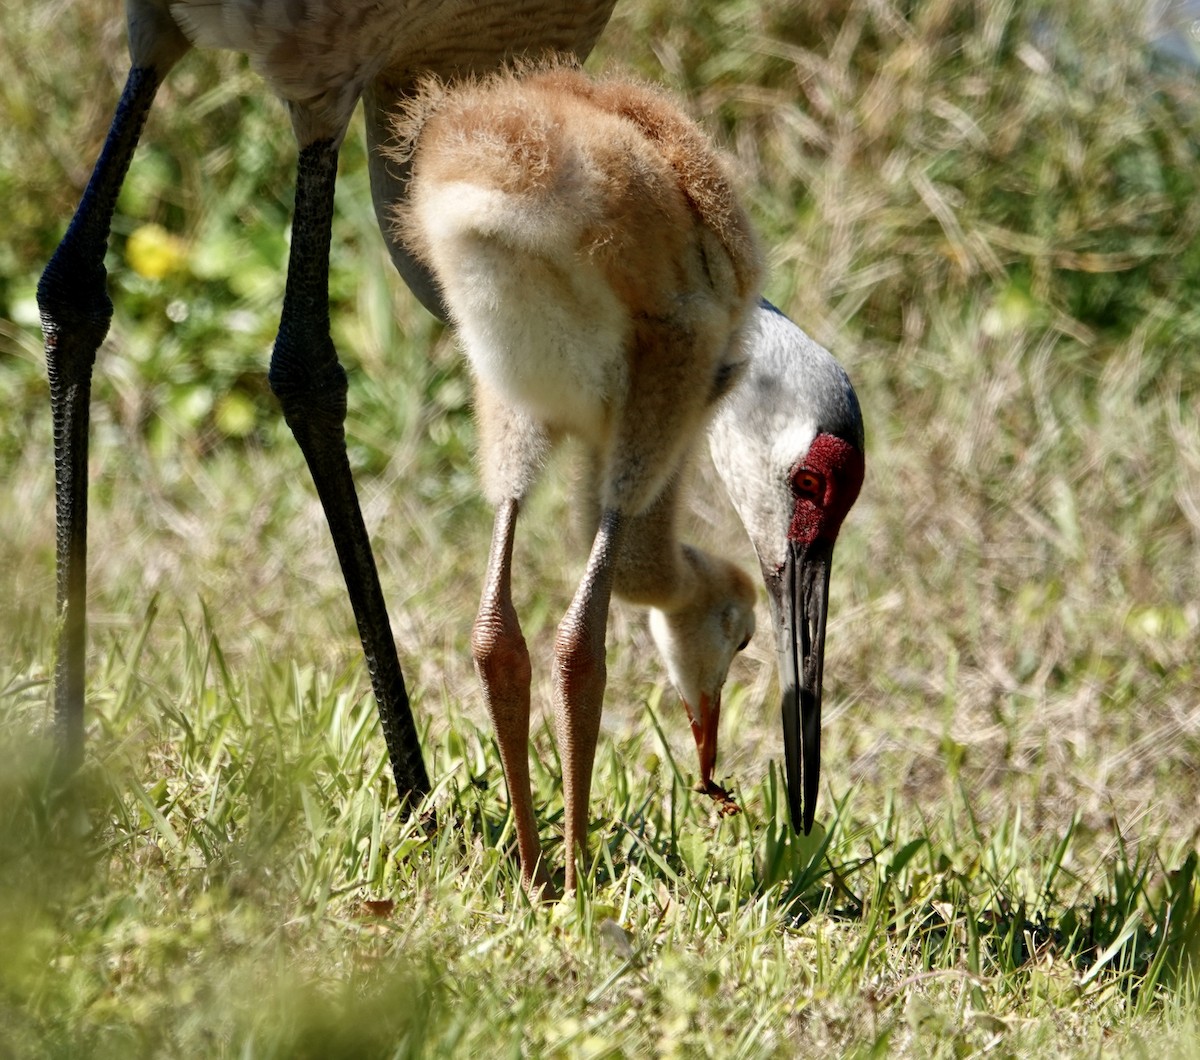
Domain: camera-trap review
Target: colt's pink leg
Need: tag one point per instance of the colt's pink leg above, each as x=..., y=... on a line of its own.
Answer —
x=502, y=663
x=579, y=677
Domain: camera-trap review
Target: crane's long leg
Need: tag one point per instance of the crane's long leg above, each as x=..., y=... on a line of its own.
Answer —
x=579, y=677
x=502, y=663
x=311, y=386
x=76, y=312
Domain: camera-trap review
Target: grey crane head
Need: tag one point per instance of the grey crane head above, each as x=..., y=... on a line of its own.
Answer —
x=788, y=445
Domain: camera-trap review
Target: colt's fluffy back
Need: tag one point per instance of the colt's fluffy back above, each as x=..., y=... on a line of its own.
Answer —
x=550, y=163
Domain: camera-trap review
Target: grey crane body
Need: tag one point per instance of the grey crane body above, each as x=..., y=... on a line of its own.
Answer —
x=788, y=446
x=320, y=57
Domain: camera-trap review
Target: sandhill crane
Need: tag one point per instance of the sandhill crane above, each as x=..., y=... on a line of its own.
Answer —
x=319, y=56
x=599, y=270
x=788, y=445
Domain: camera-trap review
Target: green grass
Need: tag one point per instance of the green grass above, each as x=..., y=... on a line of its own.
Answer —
x=988, y=211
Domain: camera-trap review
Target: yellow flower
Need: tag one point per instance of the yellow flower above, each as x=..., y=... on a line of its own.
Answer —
x=153, y=252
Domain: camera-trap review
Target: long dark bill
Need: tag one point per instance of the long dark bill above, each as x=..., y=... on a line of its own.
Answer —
x=800, y=594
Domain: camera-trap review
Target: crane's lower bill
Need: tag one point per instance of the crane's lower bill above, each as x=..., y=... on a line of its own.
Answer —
x=704, y=728
x=800, y=604
x=705, y=722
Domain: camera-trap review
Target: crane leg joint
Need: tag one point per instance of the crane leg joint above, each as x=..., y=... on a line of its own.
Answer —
x=309, y=381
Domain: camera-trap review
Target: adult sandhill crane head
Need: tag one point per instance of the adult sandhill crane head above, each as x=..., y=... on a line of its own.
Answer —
x=788, y=445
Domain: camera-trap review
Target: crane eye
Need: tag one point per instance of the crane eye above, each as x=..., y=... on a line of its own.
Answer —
x=744, y=645
x=807, y=483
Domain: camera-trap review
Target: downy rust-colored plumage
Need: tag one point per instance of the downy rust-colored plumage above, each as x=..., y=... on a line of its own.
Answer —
x=319, y=57
x=600, y=271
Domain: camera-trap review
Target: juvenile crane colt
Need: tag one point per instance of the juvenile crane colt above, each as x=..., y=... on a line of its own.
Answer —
x=600, y=271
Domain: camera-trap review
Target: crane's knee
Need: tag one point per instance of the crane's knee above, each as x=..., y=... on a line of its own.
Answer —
x=580, y=671
x=502, y=662
x=308, y=380
x=499, y=650
x=76, y=313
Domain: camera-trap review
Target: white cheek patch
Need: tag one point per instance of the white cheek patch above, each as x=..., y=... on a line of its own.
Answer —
x=755, y=464
x=790, y=444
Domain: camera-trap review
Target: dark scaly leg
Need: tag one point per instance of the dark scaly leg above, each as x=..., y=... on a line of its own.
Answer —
x=311, y=386
x=76, y=312
x=579, y=679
